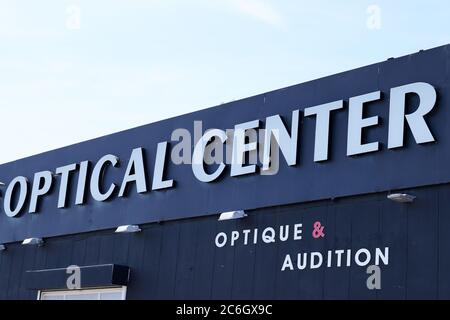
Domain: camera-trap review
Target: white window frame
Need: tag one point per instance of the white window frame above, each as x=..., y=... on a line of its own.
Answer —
x=123, y=291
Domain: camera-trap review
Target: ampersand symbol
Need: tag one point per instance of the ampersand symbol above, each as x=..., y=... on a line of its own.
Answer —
x=318, y=230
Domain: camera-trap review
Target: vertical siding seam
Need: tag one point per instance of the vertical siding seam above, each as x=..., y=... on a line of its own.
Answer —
x=380, y=212
x=141, y=256
x=254, y=262
x=234, y=263
x=350, y=268
x=196, y=243
x=19, y=285
x=1, y=261
x=128, y=247
x=161, y=235
x=438, y=246
x=275, y=286
x=84, y=253
x=214, y=264
x=327, y=216
x=22, y=286
x=407, y=251
x=99, y=248
x=176, y=261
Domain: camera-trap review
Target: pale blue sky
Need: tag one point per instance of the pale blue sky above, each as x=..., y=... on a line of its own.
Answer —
x=133, y=62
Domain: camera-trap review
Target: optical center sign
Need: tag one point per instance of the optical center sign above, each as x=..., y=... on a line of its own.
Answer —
x=376, y=128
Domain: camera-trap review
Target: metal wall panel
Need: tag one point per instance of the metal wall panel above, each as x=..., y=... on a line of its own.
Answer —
x=179, y=259
x=411, y=166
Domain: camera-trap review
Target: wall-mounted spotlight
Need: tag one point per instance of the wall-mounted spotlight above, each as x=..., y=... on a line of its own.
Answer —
x=401, y=197
x=232, y=215
x=128, y=229
x=2, y=247
x=33, y=242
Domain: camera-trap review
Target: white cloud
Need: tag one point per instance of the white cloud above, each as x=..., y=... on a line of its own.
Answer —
x=259, y=10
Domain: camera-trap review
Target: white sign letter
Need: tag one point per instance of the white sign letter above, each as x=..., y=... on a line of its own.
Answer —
x=287, y=144
x=356, y=123
x=137, y=163
x=416, y=121
x=199, y=155
x=322, y=113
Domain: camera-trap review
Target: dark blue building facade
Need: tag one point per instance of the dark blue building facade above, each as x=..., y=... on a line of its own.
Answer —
x=313, y=228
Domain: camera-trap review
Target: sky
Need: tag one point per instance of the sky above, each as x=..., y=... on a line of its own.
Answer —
x=76, y=70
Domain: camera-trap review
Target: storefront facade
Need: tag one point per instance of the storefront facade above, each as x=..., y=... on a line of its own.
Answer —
x=343, y=183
